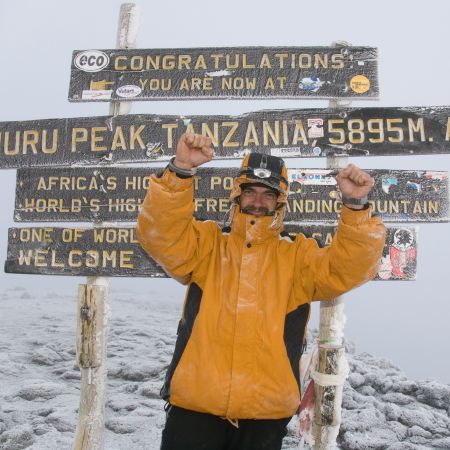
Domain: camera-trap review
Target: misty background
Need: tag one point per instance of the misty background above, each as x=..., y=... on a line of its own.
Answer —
x=407, y=322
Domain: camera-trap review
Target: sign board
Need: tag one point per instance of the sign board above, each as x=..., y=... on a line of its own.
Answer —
x=116, y=252
x=286, y=133
x=115, y=194
x=223, y=73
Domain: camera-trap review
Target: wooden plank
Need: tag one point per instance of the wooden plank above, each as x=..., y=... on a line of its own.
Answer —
x=115, y=194
x=224, y=73
x=286, y=133
x=116, y=251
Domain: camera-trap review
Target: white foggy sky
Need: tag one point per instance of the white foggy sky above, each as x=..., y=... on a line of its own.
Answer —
x=406, y=322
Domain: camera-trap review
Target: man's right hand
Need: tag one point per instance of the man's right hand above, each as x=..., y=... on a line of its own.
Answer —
x=193, y=150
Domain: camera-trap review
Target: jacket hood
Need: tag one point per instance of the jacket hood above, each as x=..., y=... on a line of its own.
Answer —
x=269, y=171
x=264, y=169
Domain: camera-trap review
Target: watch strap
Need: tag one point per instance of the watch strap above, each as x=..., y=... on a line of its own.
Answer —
x=354, y=200
x=179, y=171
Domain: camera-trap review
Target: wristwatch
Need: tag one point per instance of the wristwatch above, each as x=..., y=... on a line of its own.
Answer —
x=354, y=200
x=179, y=171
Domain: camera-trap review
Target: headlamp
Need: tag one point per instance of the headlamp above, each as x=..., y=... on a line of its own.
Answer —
x=262, y=173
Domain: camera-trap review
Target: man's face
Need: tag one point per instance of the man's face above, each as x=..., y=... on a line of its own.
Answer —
x=258, y=200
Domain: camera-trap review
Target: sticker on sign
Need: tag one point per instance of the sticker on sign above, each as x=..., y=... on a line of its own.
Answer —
x=130, y=90
x=91, y=60
x=96, y=94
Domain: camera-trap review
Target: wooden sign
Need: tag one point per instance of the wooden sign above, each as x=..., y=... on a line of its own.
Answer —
x=284, y=133
x=115, y=194
x=115, y=252
x=224, y=73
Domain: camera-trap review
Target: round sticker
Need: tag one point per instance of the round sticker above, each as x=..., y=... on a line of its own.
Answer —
x=128, y=91
x=360, y=84
x=91, y=60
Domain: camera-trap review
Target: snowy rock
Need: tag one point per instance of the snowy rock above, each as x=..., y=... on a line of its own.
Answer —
x=150, y=390
x=39, y=389
x=406, y=446
x=434, y=394
x=396, y=397
x=407, y=387
x=46, y=356
x=40, y=427
x=145, y=411
x=411, y=417
x=441, y=443
x=122, y=403
x=130, y=387
x=376, y=439
x=418, y=440
x=121, y=426
x=17, y=438
x=392, y=411
x=71, y=375
x=400, y=430
x=44, y=412
x=348, y=402
x=136, y=371
x=418, y=431
x=356, y=380
x=62, y=423
x=362, y=420
x=368, y=391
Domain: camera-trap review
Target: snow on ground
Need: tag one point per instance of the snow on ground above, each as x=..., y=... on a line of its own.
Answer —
x=39, y=380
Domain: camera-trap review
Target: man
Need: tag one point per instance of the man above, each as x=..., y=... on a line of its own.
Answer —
x=233, y=382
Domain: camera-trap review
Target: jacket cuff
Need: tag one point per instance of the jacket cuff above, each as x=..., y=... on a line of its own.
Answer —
x=355, y=217
x=171, y=182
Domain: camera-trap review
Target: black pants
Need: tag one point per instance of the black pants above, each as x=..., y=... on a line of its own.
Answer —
x=190, y=430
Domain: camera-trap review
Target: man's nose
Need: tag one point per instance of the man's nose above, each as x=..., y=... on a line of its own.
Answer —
x=258, y=201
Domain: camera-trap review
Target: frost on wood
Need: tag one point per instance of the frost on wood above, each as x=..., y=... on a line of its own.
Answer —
x=91, y=356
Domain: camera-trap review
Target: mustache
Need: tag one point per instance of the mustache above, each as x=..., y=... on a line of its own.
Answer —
x=261, y=210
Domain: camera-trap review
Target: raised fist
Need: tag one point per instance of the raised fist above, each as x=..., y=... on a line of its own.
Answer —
x=193, y=150
x=354, y=182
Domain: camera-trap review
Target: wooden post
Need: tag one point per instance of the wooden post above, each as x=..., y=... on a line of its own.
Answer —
x=332, y=365
x=93, y=302
x=91, y=350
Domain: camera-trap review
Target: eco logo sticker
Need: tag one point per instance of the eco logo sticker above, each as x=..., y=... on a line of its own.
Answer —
x=91, y=61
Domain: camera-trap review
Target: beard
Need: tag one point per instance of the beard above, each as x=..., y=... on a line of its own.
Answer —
x=262, y=211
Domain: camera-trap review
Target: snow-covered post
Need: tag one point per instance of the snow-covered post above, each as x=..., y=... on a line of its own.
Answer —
x=93, y=301
x=331, y=368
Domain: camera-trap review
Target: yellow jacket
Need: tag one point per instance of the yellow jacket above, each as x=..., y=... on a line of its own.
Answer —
x=248, y=298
